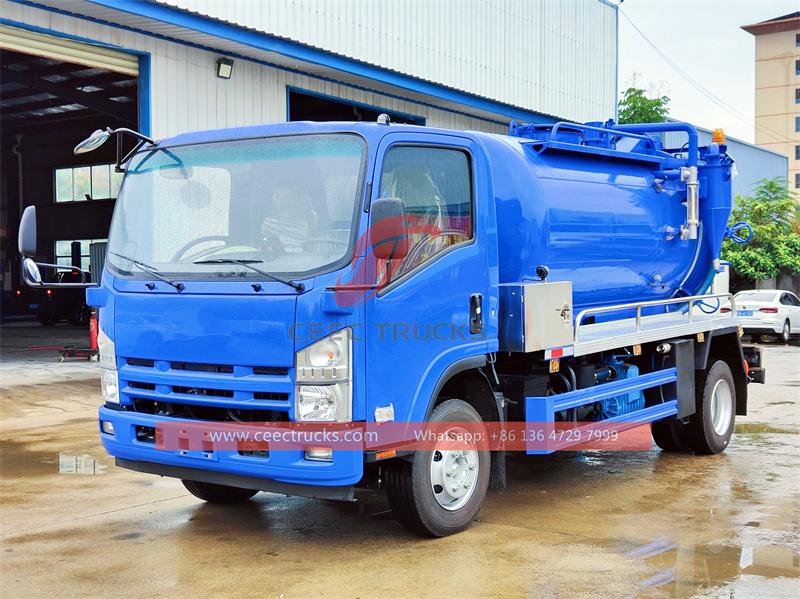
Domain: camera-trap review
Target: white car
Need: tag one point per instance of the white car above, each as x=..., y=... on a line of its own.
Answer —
x=768, y=312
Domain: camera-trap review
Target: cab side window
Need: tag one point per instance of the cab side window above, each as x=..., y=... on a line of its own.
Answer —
x=435, y=185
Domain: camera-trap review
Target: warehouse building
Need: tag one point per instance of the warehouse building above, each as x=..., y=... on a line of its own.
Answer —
x=170, y=66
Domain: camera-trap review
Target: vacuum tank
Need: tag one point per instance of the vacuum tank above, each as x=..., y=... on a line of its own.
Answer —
x=609, y=209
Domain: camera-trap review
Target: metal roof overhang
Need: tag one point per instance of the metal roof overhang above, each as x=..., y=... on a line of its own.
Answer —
x=233, y=41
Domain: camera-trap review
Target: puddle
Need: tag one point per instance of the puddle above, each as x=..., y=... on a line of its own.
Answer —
x=70, y=463
x=683, y=570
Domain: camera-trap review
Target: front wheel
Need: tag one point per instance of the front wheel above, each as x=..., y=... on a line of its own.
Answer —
x=711, y=427
x=441, y=492
x=218, y=493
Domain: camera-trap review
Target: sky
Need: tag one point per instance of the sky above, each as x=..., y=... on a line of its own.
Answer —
x=704, y=39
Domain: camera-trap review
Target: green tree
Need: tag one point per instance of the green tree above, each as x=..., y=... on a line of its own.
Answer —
x=775, y=247
x=636, y=107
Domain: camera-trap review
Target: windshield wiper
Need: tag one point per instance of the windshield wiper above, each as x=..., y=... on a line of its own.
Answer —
x=299, y=287
x=152, y=270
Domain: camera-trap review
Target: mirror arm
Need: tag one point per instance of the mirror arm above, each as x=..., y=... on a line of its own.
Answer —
x=143, y=139
x=82, y=284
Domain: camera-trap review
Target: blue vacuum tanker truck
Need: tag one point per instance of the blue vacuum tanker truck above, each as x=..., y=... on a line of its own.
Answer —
x=379, y=273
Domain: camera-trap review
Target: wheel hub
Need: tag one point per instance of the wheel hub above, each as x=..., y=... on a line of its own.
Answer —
x=454, y=473
x=721, y=407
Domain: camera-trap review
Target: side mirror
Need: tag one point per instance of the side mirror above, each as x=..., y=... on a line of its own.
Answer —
x=27, y=232
x=388, y=234
x=30, y=268
x=30, y=272
x=94, y=141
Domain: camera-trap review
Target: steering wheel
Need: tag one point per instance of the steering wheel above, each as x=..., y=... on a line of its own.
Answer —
x=314, y=244
x=187, y=246
x=410, y=261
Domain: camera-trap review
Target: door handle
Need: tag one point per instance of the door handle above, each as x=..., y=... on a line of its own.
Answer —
x=475, y=313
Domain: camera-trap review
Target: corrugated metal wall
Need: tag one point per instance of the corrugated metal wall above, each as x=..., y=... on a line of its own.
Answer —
x=552, y=56
x=752, y=163
x=187, y=95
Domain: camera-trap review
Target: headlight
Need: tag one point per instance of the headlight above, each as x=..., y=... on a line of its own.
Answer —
x=108, y=357
x=109, y=385
x=324, y=373
x=109, y=381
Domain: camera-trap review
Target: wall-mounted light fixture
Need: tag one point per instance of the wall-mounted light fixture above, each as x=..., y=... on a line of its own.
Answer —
x=224, y=68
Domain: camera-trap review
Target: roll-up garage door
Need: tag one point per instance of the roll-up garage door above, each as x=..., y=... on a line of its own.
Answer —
x=67, y=50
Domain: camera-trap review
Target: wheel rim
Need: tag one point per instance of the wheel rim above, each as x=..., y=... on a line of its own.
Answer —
x=454, y=473
x=785, y=331
x=721, y=407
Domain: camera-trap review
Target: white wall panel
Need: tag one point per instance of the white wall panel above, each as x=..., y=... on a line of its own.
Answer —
x=553, y=56
x=186, y=94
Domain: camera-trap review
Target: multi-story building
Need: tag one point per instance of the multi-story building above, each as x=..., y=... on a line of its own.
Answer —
x=777, y=88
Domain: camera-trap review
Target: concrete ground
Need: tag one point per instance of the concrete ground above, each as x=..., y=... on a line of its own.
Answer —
x=590, y=524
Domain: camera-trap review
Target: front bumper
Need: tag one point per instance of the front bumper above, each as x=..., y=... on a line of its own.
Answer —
x=287, y=467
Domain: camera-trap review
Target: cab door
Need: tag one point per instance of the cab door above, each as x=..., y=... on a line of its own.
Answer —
x=432, y=309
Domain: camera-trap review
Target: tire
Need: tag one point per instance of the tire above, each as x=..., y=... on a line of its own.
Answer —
x=668, y=435
x=46, y=318
x=786, y=334
x=711, y=427
x=411, y=485
x=218, y=493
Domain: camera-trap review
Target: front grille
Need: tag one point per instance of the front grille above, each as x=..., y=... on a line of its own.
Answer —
x=141, y=362
x=270, y=371
x=224, y=387
x=169, y=409
x=211, y=368
x=141, y=385
x=221, y=368
x=202, y=391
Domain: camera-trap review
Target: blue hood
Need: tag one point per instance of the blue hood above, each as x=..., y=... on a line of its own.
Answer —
x=219, y=329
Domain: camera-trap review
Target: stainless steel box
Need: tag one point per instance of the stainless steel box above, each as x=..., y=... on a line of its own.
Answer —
x=535, y=316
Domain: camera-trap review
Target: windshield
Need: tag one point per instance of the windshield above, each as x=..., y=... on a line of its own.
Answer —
x=756, y=296
x=286, y=204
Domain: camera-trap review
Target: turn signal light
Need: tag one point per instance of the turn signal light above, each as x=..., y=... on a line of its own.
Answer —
x=768, y=310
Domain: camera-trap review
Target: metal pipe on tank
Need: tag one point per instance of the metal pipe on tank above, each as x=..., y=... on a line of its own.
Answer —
x=688, y=173
x=689, y=176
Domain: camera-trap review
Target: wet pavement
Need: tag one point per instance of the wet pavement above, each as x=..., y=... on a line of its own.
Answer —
x=592, y=524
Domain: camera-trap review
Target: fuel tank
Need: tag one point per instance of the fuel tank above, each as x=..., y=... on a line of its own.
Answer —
x=606, y=209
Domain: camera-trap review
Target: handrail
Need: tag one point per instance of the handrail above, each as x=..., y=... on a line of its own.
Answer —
x=639, y=305
x=666, y=127
x=605, y=130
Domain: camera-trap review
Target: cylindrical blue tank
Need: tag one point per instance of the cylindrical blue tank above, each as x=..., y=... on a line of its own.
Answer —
x=606, y=217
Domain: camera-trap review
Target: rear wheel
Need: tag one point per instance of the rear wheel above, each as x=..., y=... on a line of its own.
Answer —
x=441, y=491
x=218, y=493
x=786, y=333
x=711, y=427
x=668, y=435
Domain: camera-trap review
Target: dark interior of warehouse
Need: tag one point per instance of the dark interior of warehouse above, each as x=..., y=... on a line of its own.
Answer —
x=46, y=107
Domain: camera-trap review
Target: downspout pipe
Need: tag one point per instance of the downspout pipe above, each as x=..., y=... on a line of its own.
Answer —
x=667, y=127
